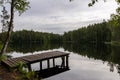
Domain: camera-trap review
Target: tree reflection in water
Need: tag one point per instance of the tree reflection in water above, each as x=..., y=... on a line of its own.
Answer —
x=98, y=51
x=112, y=66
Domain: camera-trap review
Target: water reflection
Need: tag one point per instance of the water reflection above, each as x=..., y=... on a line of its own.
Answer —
x=112, y=66
x=118, y=68
x=45, y=73
x=106, y=53
x=31, y=48
x=103, y=52
x=96, y=51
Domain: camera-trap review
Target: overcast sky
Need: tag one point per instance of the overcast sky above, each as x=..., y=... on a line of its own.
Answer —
x=58, y=16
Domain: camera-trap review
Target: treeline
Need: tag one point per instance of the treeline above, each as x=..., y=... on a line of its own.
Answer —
x=115, y=29
x=26, y=36
x=93, y=33
x=96, y=33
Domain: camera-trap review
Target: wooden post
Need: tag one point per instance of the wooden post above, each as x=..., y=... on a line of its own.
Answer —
x=67, y=62
x=53, y=62
x=48, y=63
x=63, y=61
x=40, y=65
x=29, y=67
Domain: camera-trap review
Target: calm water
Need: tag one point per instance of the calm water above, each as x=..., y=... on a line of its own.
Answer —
x=87, y=62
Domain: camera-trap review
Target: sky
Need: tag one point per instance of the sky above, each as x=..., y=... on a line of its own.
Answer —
x=59, y=16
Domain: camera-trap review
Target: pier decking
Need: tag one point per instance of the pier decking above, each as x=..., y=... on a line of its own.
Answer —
x=28, y=60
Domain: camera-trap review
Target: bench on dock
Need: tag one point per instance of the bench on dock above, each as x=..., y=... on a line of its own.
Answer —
x=28, y=60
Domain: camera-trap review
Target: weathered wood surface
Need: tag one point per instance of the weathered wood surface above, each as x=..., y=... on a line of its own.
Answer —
x=12, y=62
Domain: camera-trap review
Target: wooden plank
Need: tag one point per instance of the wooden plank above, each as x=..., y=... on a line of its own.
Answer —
x=11, y=62
x=7, y=63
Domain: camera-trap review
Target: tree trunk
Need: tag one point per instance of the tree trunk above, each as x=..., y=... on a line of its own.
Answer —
x=10, y=29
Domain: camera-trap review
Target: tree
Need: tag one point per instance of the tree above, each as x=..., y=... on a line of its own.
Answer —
x=7, y=20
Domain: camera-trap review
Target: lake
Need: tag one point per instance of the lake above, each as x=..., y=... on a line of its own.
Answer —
x=86, y=61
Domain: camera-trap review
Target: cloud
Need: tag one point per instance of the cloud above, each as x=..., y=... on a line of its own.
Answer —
x=58, y=16
x=54, y=28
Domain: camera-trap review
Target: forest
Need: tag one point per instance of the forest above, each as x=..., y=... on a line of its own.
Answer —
x=95, y=33
x=107, y=31
x=26, y=36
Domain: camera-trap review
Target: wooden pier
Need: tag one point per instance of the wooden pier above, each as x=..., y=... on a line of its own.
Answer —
x=28, y=60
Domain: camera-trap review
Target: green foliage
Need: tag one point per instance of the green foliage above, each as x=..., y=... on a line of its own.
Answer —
x=1, y=45
x=25, y=36
x=21, y=6
x=2, y=57
x=2, y=37
x=115, y=18
x=29, y=76
x=4, y=19
x=93, y=33
x=114, y=26
x=25, y=75
x=15, y=5
x=20, y=66
x=92, y=3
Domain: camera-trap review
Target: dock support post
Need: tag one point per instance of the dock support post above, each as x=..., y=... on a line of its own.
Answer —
x=53, y=62
x=48, y=63
x=67, y=62
x=29, y=67
x=63, y=61
x=40, y=65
